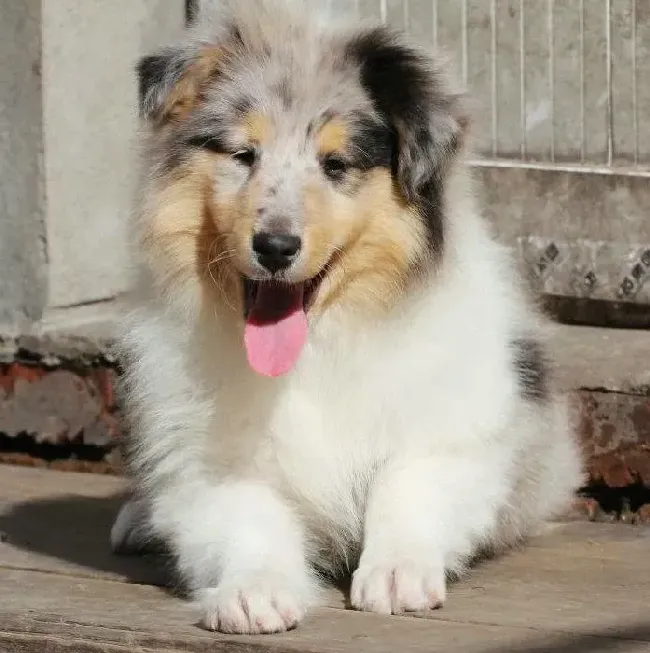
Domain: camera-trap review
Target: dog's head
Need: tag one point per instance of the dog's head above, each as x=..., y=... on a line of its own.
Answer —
x=295, y=168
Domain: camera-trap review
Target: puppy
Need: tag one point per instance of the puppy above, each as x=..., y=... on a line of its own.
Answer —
x=329, y=363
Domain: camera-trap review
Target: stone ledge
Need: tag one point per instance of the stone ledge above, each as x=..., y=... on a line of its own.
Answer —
x=608, y=360
x=601, y=252
x=59, y=391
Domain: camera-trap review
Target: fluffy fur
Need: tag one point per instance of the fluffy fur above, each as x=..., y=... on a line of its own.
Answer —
x=420, y=426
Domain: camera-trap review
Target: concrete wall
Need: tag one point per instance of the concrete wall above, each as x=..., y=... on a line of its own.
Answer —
x=90, y=109
x=23, y=272
x=68, y=117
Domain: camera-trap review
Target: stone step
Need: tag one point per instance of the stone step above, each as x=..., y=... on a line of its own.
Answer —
x=60, y=390
x=611, y=360
x=607, y=373
x=576, y=587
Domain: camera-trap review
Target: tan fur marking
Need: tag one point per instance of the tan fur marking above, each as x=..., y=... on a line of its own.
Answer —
x=332, y=137
x=181, y=238
x=258, y=128
x=188, y=91
x=379, y=238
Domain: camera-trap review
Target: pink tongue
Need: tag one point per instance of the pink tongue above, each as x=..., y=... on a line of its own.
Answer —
x=276, y=329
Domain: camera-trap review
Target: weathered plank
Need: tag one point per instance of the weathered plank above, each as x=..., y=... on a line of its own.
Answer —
x=576, y=587
x=66, y=614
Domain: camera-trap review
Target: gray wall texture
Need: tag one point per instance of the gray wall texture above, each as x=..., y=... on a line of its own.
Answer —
x=68, y=161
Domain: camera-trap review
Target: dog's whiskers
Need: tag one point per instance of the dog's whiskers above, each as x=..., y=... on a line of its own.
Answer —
x=213, y=260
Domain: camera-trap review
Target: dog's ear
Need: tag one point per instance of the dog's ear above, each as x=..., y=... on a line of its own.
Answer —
x=171, y=82
x=412, y=96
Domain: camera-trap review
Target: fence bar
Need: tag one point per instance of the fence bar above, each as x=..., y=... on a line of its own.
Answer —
x=522, y=79
x=610, y=97
x=551, y=71
x=493, y=56
x=635, y=81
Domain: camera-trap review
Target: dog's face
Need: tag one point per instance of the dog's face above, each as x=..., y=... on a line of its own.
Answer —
x=296, y=171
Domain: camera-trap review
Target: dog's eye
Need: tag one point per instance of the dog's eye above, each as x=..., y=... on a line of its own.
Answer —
x=334, y=167
x=211, y=143
x=246, y=157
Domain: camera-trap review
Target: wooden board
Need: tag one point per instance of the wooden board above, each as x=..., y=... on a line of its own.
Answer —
x=578, y=587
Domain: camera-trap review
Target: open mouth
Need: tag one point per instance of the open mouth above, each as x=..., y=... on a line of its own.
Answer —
x=276, y=322
x=279, y=292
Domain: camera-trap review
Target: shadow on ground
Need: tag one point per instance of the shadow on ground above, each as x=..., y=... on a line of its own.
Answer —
x=627, y=639
x=76, y=531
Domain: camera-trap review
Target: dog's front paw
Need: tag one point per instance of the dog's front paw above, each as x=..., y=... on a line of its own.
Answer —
x=397, y=587
x=260, y=604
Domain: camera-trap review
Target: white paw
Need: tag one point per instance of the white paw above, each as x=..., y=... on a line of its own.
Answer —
x=130, y=532
x=398, y=587
x=263, y=605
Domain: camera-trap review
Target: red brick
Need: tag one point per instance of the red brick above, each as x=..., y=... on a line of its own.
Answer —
x=614, y=429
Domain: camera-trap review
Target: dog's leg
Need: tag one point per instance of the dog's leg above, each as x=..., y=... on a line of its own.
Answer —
x=131, y=533
x=423, y=517
x=241, y=550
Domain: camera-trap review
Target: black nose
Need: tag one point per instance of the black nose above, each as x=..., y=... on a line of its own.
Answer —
x=275, y=251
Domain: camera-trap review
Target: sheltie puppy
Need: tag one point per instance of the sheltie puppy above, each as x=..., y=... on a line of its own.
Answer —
x=330, y=365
